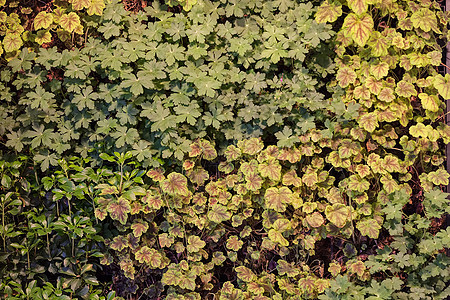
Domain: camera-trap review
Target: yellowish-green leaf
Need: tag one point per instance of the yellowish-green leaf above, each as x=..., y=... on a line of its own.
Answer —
x=358, y=6
x=425, y=19
x=405, y=89
x=12, y=42
x=345, y=76
x=270, y=169
x=277, y=237
x=195, y=244
x=175, y=184
x=43, y=20
x=245, y=274
x=328, y=12
x=338, y=214
x=369, y=227
x=379, y=70
x=43, y=36
x=358, y=28
x=442, y=84
x=70, y=21
x=315, y=219
x=96, y=7
x=439, y=177
x=80, y=4
x=369, y=121
x=429, y=102
x=277, y=199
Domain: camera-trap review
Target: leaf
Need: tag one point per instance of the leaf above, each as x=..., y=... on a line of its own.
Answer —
x=369, y=227
x=194, y=244
x=198, y=175
x=96, y=7
x=315, y=220
x=204, y=148
x=277, y=199
x=357, y=267
x=149, y=256
x=439, y=177
x=253, y=182
x=251, y=146
x=270, y=169
x=425, y=19
x=405, y=89
x=358, y=184
x=43, y=20
x=328, y=12
x=233, y=243
x=358, y=6
x=156, y=174
x=218, y=213
x=369, y=121
x=338, y=214
x=345, y=76
x=119, y=243
x=429, y=102
x=245, y=274
x=175, y=184
x=291, y=178
x=358, y=28
x=69, y=22
x=277, y=237
x=119, y=210
x=139, y=227
x=43, y=36
x=379, y=70
x=12, y=42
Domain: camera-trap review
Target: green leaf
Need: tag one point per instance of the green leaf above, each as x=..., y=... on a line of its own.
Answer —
x=429, y=102
x=119, y=210
x=358, y=28
x=369, y=227
x=277, y=237
x=328, y=12
x=439, y=177
x=338, y=214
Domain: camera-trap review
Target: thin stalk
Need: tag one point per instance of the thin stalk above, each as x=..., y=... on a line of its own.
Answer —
x=3, y=226
x=48, y=247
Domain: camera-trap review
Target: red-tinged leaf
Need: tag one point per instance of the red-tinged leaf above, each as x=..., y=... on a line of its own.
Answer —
x=439, y=177
x=425, y=19
x=391, y=164
x=232, y=153
x=270, y=169
x=356, y=183
x=100, y=214
x=96, y=7
x=356, y=267
x=338, y=214
x=188, y=164
x=251, y=146
x=322, y=285
x=154, y=200
x=315, y=220
x=12, y=42
x=291, y=178
x=373, y=85
x=334, y=269
x=369, y=227
x=234, y=243
x=226, y=167
x=43, y=20
x=119, y=210
x=369, y=121
x=139, y=227
x=149, y=256
x=277, y=199
x=195, y=244
x=203, y=148
x=156, y=174
x=358, y=6
x=363, y=170
x=198, y=175
x=362, y=92
x=245, y=274
x=379, y=70
x=345, y=76
x=253, y=182
x=136, y=208
x=119, y=243
x=218, y=213
x=175, y=184
x=405, y=89
x=307, y=284
x=109, y=190
x=430, y=102
x=165, y=240
x=310, y=178
x=328, y=12
x=250, y=167
x=358, y=28
x=256, y=289
x=80, y=4
x=292, y=155
x=70, y=21
x=386, y=95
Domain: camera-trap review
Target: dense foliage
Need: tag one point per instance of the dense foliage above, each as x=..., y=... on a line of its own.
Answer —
x=227, y=150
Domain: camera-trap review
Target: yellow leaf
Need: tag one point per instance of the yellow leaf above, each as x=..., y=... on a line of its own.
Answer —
x=69, y=22
x=96, y=7
x=359, y=27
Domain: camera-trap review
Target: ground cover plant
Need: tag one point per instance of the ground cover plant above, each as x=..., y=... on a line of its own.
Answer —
x=227, y=150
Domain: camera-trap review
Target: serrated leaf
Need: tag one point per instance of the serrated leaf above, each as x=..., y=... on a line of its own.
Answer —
x=291, y=178
x=369, y=227
x=338, y=214
x=96, y=7
x=119, y=210
x=194, y=244
x=43, y=36
x=379, y=70
x=175, y=184
x=270, y=169
x=315, y=220
x=218, y=213
x=358, y=6
x=359, y=27
x=12, y=42
x=245, y=274
x=139, y=227
x=439, y=177
x=345, y=76
x=251, y=146
x=119, y=243
x=234, y=243
x=425, y=19
x=369, y=121
x=429, y=102
x=328, y=12
x=357, y=267
x=70, y=21
x=42, y=20
x=204, y=148
x=277, y=199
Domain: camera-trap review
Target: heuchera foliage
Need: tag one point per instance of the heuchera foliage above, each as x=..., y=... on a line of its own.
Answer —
x=231, y=150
